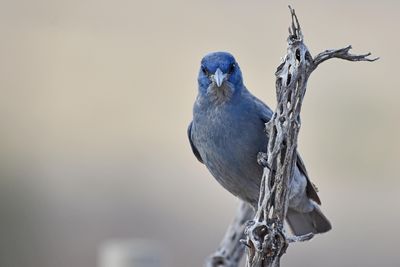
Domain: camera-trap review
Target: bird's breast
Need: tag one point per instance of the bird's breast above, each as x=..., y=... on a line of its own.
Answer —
x=228, y=139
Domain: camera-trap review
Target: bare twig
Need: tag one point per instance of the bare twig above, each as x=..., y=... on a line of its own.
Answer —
x=342, y=53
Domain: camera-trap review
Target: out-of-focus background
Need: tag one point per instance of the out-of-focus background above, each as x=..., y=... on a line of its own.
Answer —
x=96, y=97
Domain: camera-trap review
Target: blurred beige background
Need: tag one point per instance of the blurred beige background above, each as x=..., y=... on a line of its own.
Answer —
x=96, y=97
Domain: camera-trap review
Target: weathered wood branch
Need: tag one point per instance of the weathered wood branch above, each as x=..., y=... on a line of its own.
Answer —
x=266, y=238
x=231, y=248
x=342, y=53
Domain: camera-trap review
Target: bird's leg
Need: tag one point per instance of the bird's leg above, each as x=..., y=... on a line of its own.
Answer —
x=231, y=249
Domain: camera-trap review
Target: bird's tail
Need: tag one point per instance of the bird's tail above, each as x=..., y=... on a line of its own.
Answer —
x=311, y=222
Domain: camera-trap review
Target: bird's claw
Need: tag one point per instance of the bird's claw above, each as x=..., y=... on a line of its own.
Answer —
x=262, y=159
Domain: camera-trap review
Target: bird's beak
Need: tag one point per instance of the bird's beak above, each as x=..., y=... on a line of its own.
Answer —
x=219, y=77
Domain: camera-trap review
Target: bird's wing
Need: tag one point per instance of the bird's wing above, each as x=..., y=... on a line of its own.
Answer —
x=264, y=111
x=310, y=188
x=194, y=149
x=266, y=115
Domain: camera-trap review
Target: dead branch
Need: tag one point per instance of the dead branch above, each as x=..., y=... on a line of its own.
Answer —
x=266, y=239
x=231, y=249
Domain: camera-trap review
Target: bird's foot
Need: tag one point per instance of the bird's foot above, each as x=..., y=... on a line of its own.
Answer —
x=262, y=159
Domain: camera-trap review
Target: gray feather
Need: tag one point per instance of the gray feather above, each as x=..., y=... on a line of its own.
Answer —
x=310, y=222
x=194, y=149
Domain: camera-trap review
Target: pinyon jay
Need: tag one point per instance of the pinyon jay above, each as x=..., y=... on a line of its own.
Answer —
x=227, y=133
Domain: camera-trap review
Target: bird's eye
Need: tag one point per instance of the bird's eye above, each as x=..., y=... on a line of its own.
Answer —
x=232, y=68
x=204, y=70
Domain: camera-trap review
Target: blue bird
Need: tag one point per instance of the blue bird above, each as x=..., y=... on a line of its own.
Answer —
x=228, y=131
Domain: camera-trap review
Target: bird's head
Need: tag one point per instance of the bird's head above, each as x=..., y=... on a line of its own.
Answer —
x=219, y=75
